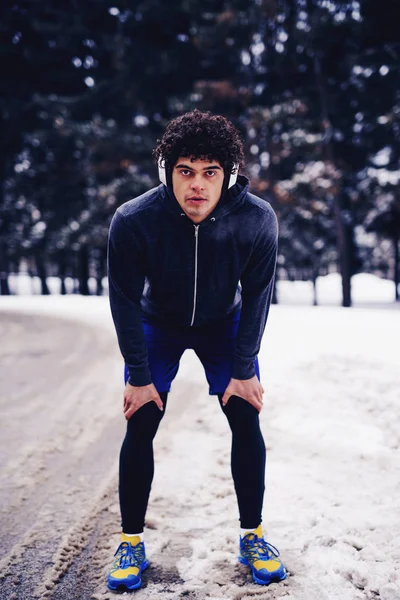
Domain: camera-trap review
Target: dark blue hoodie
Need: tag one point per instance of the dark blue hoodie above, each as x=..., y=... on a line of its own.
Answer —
x=185, y=275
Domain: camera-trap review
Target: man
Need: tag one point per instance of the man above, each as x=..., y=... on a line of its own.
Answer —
x=191, y=265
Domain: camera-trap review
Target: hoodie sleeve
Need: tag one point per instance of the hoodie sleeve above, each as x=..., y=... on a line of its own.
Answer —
x=257, y=282
x=126, y=276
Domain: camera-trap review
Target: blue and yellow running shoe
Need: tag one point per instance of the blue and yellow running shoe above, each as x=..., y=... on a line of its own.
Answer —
x=261, y=557
x=128, y=565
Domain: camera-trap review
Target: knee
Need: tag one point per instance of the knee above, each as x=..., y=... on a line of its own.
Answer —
x=243, y=417
x=144, y=423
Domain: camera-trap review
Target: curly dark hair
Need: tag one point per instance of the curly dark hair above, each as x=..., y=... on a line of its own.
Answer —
x=201, y=135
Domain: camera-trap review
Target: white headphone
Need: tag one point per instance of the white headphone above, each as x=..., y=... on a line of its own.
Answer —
x=162, y=173
x=233, y=176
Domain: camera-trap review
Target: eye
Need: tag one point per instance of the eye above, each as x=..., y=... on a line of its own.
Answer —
x=210, y=173
x=185, y=172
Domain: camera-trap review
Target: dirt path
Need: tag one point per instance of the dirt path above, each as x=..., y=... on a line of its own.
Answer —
x=60, y=433
x=331, y=426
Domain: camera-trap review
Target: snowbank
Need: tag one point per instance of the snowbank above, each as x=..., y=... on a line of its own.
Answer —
x=330, y=422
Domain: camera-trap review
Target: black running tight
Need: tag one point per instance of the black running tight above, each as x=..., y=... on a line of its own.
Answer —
x=136, y=467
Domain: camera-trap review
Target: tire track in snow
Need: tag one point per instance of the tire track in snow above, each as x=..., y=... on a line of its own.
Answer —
x=48, y=482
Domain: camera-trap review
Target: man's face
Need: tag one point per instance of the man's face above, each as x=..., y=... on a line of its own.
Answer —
x=197, y=186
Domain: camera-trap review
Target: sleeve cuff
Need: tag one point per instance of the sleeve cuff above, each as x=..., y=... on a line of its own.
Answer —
x=139, y=378
x=243, y=369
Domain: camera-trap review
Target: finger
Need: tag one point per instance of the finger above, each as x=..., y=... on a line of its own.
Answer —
x=129, y=411
x=258, y=405
x=158, y=401
x=225, y=398
x=254, y=401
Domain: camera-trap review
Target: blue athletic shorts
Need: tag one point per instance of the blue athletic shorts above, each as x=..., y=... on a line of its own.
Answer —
x=214, y=345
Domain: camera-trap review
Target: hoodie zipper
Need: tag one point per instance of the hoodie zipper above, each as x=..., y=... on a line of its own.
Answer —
x=196, y=236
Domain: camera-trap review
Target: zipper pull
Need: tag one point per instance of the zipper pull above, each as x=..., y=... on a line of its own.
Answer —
x=196, y=230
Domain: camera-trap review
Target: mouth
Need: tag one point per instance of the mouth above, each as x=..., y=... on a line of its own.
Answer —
x=196, y=199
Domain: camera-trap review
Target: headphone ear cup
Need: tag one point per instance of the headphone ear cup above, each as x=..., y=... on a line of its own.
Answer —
x=233, y=176
x=162, y=173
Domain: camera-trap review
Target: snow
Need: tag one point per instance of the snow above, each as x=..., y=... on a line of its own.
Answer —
x=366, y=288
x=331, y=425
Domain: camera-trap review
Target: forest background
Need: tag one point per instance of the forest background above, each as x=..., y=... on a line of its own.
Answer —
x=87, y=87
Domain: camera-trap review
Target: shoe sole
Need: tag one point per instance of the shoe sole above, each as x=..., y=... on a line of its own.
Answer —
x=119, y=584
x=273, y=579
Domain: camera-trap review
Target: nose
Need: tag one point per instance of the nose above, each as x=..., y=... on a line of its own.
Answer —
x=197, y=183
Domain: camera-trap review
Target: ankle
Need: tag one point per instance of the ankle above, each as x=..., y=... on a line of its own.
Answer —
x=129, y=537
x=257, y=531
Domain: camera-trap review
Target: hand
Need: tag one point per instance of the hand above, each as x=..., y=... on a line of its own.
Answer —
x=137, y=396
x=248, y=389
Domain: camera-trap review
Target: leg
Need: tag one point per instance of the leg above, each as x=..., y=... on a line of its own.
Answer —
x=136, y=465
x=248, y=458
x=215, y=346
x=136, y=469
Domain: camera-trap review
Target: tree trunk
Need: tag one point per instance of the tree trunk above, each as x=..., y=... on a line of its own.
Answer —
x=274, y=299
x=344, y=261
x=4, y=286
x=99, y=287
x=4, y=153
x=62, y=268
x=344, y=254
x=42, y=274
x=396, y=240
x=83, y=270
x=314, y=282
x=101, y=270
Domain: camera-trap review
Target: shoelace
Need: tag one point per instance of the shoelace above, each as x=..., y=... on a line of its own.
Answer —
x=259, y=548
x=130, y=556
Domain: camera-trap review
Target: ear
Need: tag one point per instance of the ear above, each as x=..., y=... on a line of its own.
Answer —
x=233, y=176
x=162, y=174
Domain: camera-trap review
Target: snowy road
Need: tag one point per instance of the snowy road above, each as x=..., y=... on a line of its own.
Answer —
x=330, y=421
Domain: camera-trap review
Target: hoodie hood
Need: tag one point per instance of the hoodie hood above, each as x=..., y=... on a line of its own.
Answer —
x=230, y=199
